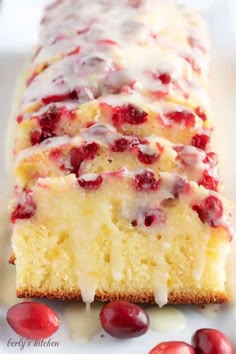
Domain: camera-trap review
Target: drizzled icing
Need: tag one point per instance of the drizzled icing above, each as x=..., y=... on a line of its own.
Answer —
x=161, y=38
x=153, y=151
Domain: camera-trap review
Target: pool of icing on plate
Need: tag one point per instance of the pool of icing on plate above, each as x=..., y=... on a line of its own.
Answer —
x=83, y=324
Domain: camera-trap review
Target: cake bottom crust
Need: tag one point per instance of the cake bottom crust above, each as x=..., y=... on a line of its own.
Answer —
x=135, y=297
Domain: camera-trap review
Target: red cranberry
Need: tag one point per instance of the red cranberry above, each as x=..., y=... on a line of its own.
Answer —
x=78, y=155
x=48, y=122
x=55, y=154
x=149, y=220
x=210, y=210
x=199, y=111
x=186, y=118
x=90, y=151
x=35, y=137
x=73, y=95
x=33, y=320
x=200, y=141
x=122, y=319
x=120, y=145
x=148, y=159
x=19, y=119
x=211, y=341
x=76, y=158
x=165, y=78
x=211, y=159
x=90, y=184
x=49, y=119
x=208, y=182
x=146, y=181
x=156, y=216
x=129, y=114
x=173, y=348
x=25, y=209
x=134, y=223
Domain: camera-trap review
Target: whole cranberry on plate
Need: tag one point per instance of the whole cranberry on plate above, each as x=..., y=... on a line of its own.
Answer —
x=173, y=348
x=211, y=341
x=122, y=319
x=33, y=320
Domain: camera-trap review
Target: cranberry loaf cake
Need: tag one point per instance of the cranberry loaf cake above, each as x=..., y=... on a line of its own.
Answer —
x=117, y=192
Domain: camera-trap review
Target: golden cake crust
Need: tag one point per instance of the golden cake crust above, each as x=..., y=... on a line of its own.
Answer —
x=135, y=297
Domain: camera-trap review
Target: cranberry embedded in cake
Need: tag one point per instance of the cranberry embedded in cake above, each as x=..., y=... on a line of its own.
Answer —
x=48, y=123
x=210, y=210
x=25, y=209
x=120, y=145
x=90, y=182
x=78, y=155
x=129, y=114
x=181, y=117
x=146, y=180
x=148, y=159
x=201, y=141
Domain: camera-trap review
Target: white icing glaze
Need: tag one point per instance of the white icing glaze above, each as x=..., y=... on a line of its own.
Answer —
x=116, y=255
x=166, y=319
x=105, y=31
x=83, y=324
x=89, y=177
x=160, y=274
x=200, y=260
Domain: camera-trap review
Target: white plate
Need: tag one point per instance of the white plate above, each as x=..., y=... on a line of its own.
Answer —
x=18, y=33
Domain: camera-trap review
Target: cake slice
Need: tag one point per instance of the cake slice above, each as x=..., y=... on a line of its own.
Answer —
x=117, y=186
x=101, y=148
x=174, y=122
x=125, y=235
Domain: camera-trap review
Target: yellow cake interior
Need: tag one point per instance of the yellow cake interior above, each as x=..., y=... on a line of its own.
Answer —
x=90, y=247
